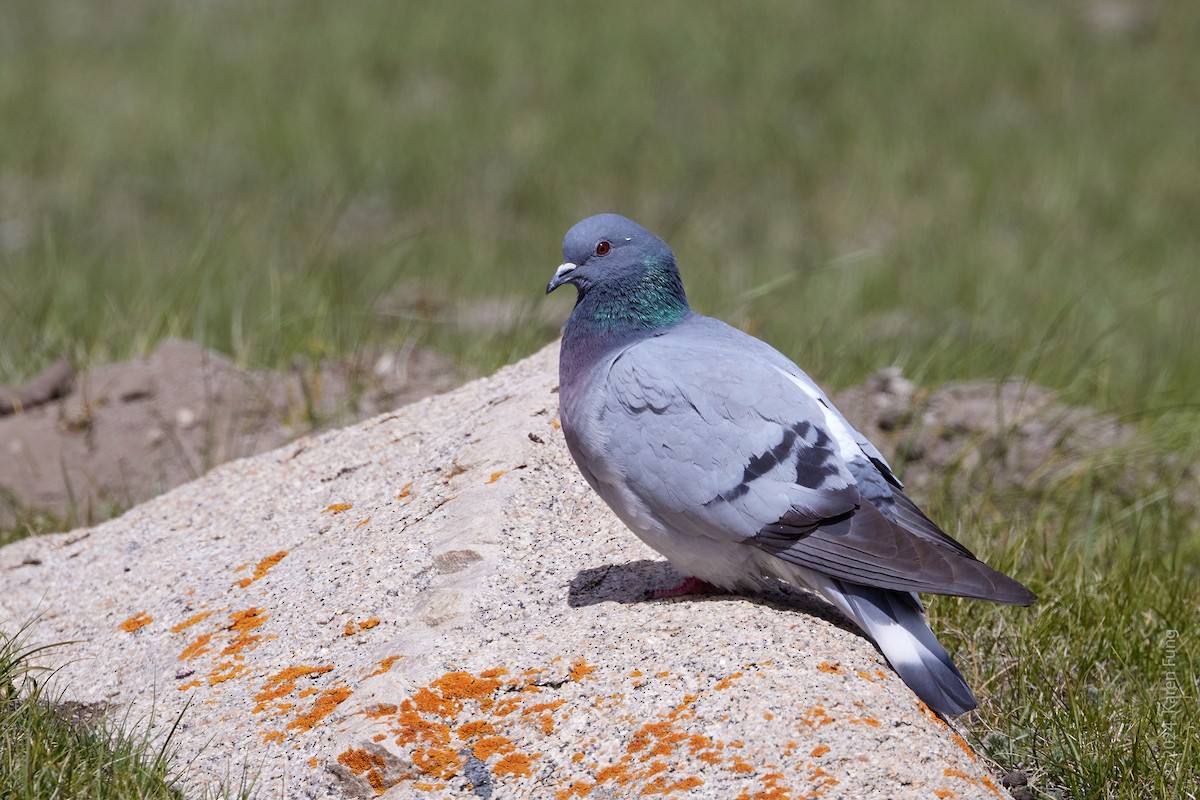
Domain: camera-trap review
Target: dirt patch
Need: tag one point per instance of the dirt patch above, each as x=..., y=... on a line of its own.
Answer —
x=126, y=432
x=1006, y=435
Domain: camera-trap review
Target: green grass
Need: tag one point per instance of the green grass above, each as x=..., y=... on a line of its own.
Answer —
x=1094, y=688
x=966, y=191
x=979, y=191
x=50, y=750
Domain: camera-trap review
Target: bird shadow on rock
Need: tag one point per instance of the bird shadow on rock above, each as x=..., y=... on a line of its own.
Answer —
x=636, y=582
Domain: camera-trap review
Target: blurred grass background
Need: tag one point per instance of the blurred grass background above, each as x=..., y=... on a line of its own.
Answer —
x=1009, y=188
x=979, y=190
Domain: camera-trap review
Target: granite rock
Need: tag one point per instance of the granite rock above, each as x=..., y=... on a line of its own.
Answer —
x=432, y=603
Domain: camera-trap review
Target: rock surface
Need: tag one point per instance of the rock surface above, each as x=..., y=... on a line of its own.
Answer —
x=433, y=603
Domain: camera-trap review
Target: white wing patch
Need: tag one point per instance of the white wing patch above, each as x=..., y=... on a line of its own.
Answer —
x=848, y=447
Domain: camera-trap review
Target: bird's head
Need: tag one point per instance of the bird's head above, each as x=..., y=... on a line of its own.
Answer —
x=625, y=275
x=609, y=249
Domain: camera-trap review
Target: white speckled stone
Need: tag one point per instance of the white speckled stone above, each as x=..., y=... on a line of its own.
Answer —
x=433, y=604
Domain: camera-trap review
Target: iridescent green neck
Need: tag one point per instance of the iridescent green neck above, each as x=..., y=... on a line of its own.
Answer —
x=653, y=301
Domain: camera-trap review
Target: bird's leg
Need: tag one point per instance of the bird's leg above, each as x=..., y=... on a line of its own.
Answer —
x=686, y=587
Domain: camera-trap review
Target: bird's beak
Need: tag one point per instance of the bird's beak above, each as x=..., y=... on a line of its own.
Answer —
x=561, y=276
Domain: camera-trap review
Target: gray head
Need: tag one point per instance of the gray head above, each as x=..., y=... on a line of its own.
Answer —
x=625, y=275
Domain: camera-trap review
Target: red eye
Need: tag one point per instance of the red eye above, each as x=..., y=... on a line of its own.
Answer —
x=602, y=248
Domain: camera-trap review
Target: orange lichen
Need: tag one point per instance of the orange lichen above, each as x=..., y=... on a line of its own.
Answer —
x=272, y=693
x=430, y=702
x=929, y=713
x=576, y=789
x=515, y=764
x=300, y=671
x=580, y=670
x=555, y=424
x=815, y=716
x=261, y=568
x=197, y=647
x=240, y=623
x=313, y=762
x=247, y=620
x=226, y=671
x=823, y=779
x=362, y=522
x=441, y=762
x=192, y=620
x=874, y=723
x=405, y=491
x=553, y=705
x=457, y=686
x=478, y=727
x=659, y=786
x=740, y=765
x=337, y=508
x=385, y=665
x=488, y=746
x=725, y=682
x=835, y=669
x=651, y=754
x=272, y=736
x=353, y=627
x=412, y=728
x=238, y=644
x=382, y=710
x=819, y=751
x=359, y=761
x=545, y=721
x=703, y=749
x=945, y=794
x=139, y=620
x=421, y=723
x=283, y=683
x=192, y=684
x=966, y=748
x=486, y=715
x=323, y=707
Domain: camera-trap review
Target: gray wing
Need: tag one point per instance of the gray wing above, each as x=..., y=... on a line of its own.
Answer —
x=717, y=445
x=719, y=439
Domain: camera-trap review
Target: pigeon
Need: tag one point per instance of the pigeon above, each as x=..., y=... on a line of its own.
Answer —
x=725, y=457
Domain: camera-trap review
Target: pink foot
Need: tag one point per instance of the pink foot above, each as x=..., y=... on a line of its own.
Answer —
x=688, y=586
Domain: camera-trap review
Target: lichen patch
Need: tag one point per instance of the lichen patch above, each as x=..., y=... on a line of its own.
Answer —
x=136, y=622
x=261, y=568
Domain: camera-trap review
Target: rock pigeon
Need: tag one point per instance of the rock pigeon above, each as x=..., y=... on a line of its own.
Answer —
x=724, y=456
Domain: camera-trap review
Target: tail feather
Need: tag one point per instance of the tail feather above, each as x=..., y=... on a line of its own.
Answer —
x=896, y=622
